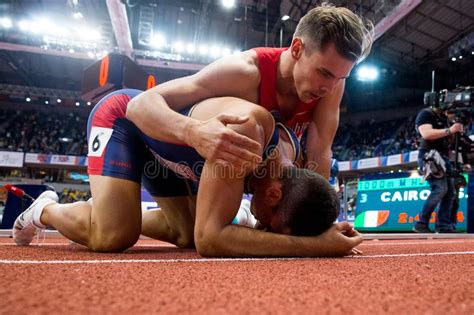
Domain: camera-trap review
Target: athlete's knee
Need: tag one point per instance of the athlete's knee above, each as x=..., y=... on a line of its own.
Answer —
x=185, y=240
x=114, y=246
x=112, y=242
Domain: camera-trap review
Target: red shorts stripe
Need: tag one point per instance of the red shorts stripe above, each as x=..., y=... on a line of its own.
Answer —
x=108, y=111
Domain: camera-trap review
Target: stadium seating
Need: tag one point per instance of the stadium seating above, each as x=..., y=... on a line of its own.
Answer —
x=53, y=133
x=43, y=132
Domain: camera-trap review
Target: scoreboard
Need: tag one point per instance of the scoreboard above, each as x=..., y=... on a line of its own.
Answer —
x=111, y=73
x=392, y=205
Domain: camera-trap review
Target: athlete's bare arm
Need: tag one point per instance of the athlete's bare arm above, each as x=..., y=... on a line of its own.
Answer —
x=231, y=76
x=219, y=197
x=322, y=130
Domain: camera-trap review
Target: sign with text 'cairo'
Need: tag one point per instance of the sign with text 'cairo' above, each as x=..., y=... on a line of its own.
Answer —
x=394, y=204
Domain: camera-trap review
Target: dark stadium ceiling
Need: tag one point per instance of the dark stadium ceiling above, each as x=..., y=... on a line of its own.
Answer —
x=411, y=34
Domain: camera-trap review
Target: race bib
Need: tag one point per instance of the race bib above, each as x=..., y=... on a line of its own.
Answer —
x=98, y=139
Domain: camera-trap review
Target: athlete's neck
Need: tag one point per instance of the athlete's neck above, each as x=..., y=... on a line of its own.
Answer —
x=282, y=156
x=286, y=151
x=285, y=82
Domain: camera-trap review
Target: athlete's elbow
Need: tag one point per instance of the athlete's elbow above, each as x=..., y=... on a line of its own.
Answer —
x=205, y=250
x=206, y=244
x=133, y=110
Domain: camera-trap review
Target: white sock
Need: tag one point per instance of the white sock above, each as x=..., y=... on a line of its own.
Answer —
x=38, y=211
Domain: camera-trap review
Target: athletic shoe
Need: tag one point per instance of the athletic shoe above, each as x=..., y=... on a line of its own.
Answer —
x=421, y=229
x=28, y=224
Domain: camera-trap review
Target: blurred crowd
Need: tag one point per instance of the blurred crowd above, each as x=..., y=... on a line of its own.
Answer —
x=372, y=139
x=34, y=132
x=54, y=133
x=73, y=195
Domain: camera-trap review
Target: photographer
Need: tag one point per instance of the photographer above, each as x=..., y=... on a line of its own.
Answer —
x=432, y=124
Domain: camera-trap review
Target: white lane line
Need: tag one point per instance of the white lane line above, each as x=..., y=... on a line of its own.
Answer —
x=125, y=261
x=199, y=260
x=414, y=255
x=411, y=243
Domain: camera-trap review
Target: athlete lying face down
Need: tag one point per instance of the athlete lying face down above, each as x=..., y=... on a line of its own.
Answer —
x=199, y=198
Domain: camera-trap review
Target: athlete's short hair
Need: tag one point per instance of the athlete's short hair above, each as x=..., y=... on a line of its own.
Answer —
x=309, y=205
x=351, y=34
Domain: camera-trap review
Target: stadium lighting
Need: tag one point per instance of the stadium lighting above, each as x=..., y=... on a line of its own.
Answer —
x=203, y=50
x=228, y=3
x=43, y=25
x=89, y=103
x=460, y=57
x=190, y=48
x=28, y=99
x=178, y=46
x=95, y=35
x=367, y=73
x=285, y=17
x=24, y=25
x=6, y=22
x=77, y=103
x=215, y=51
x=77, y=15
x=46, y=102
x=225, y=51
x=60, y=32
x=88, y=34
x=453, y=59
x=158, y=40
x=58, y=100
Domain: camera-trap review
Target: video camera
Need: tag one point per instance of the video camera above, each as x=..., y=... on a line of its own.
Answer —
x=460, y=103
x=459, y=98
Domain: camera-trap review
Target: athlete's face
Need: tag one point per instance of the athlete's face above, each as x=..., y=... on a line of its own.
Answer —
x=266, y=198
x=261, y=211
x=316, y=73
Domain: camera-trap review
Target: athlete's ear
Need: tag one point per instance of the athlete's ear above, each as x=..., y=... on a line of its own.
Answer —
x=296, y=47
x=274, y=193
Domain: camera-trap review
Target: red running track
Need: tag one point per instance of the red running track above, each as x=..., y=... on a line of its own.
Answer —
x=392, y=277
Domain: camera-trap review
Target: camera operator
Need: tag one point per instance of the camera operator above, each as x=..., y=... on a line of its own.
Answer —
x=432, y=124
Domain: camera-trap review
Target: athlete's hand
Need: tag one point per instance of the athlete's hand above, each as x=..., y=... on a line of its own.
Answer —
x=215, y=142
x=341, y=239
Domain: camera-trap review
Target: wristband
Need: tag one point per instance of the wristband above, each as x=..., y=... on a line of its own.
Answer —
x=447, y=131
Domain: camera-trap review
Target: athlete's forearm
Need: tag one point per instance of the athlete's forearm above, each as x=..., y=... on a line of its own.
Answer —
x=152, y=115
x=157, y=226
x=319, y=163
x=239, y=241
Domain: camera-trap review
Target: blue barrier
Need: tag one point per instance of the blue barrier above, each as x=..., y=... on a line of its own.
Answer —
x=16, y=205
